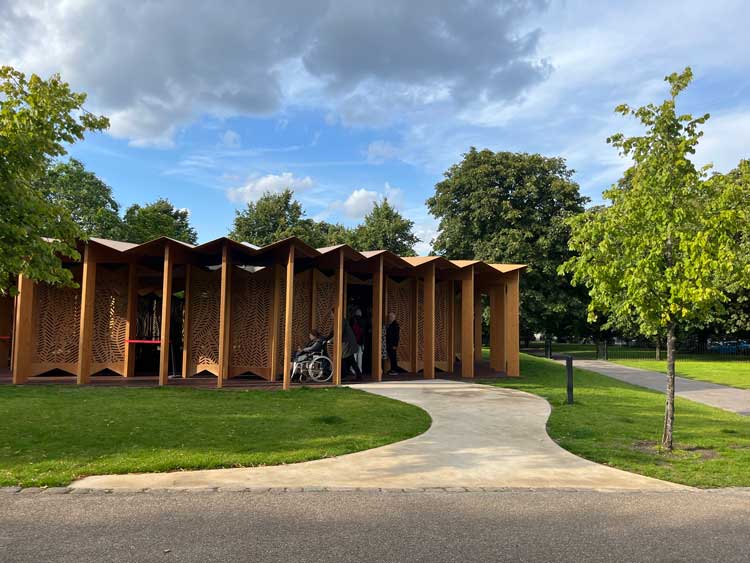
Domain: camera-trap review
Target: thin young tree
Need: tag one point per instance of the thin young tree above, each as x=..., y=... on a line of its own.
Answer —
x=661, y=253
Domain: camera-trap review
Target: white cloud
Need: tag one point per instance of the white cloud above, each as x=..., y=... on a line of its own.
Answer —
x=155, y=67
x=380, y=151
x=273, y=183
x=231, y=139
x=359, y=203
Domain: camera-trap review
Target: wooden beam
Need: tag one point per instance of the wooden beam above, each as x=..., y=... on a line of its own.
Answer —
x=86, y=329
x=224, y=314
x=273, y=361
x=467, y=323
x=23, y=330
x=166, y=314
x=428, y=353
x=187, y=344
x=511, y=325
x=377, y=321
x=288, y=319
x=497, y=327
x=478, y=327
x=451, y=320
x=338, y=320
x=131, y=319
x=414, y=352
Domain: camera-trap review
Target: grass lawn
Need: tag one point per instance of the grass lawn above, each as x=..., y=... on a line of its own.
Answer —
x=618, y=424
x=734, y=374
x=54, y=434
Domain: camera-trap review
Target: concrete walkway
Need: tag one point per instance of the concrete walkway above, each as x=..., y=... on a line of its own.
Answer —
x=481, y=436
x=711, y=394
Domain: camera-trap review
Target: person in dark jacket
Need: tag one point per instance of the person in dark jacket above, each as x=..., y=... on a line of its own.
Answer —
x=392, y=336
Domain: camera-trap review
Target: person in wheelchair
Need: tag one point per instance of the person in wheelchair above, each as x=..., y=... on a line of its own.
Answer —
x=314, y=346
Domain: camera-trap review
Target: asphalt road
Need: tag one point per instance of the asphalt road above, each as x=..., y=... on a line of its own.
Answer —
x=375, y=526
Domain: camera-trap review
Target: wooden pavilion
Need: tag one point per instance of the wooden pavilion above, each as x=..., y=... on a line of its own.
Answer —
x=233, y=309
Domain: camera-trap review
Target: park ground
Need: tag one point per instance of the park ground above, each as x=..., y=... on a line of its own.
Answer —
x=55, y=434
x=733, y=373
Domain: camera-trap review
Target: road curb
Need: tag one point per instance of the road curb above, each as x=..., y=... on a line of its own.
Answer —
x=31, y=491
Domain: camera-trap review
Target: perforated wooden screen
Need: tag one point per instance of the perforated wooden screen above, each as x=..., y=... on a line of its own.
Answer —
x=442, y=324
x=325, y=300
x=6, y=330
x=110, y=311
x=250, y=331
x=301, y=312
x=399, y=300
x=57, y=317
x=205, y=300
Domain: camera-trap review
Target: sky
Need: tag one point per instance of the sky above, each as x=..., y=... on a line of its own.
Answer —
x=348, y=102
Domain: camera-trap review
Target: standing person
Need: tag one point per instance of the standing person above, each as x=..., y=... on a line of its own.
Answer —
x=358, y=327
x=348, y=349
x=392, y=336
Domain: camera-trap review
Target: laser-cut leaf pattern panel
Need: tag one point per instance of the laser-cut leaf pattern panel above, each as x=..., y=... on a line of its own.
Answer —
x=325, y=294
x=57, y=320
x=302, y=317
x=399, y=301
x=110, y=311
x=205, y=302
x=420, y=322
x=442, y=311
x=251, y=302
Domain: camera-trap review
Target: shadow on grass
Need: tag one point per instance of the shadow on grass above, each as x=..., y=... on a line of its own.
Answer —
x=53, y=434
x=611, y=420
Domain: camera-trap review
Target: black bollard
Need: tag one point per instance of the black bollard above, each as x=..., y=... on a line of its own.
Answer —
x=569, y=370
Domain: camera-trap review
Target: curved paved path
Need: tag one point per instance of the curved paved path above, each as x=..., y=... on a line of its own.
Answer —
x=712, y=394
x=481, y=436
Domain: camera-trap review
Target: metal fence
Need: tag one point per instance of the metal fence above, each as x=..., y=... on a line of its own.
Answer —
x=688, y=349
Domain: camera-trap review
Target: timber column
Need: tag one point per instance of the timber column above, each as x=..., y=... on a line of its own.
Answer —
x=428, y=353
x=88, y=294
x=377, y=321
x=23, y=329
x=166, y=314
x=512, y=330
x=224, y=313
x=497, y=327
x=288, y=312
x=131, y=319
x=467, y=322
x=338, y=320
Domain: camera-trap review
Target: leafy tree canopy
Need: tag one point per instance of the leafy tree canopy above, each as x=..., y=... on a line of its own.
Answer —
x=665, y=250
x=384, y=228
x=161, y=218
x=38, y=118
x=276, y=216
x=88, y=200
x=512, y=207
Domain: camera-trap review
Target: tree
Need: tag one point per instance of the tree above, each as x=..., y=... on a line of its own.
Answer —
x=662, y=252
x=158, y=219
x=512, y=207
x=38, y=118
x=88, y=200
x=384, y=228
x=277, y=216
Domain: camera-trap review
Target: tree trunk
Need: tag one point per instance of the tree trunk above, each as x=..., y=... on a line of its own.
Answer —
x=666, y=439
x=658, y=349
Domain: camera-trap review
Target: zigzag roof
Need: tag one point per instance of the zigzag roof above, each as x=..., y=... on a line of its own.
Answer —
x=304, y=250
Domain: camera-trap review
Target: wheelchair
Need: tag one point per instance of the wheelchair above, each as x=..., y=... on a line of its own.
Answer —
x=316, y=367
